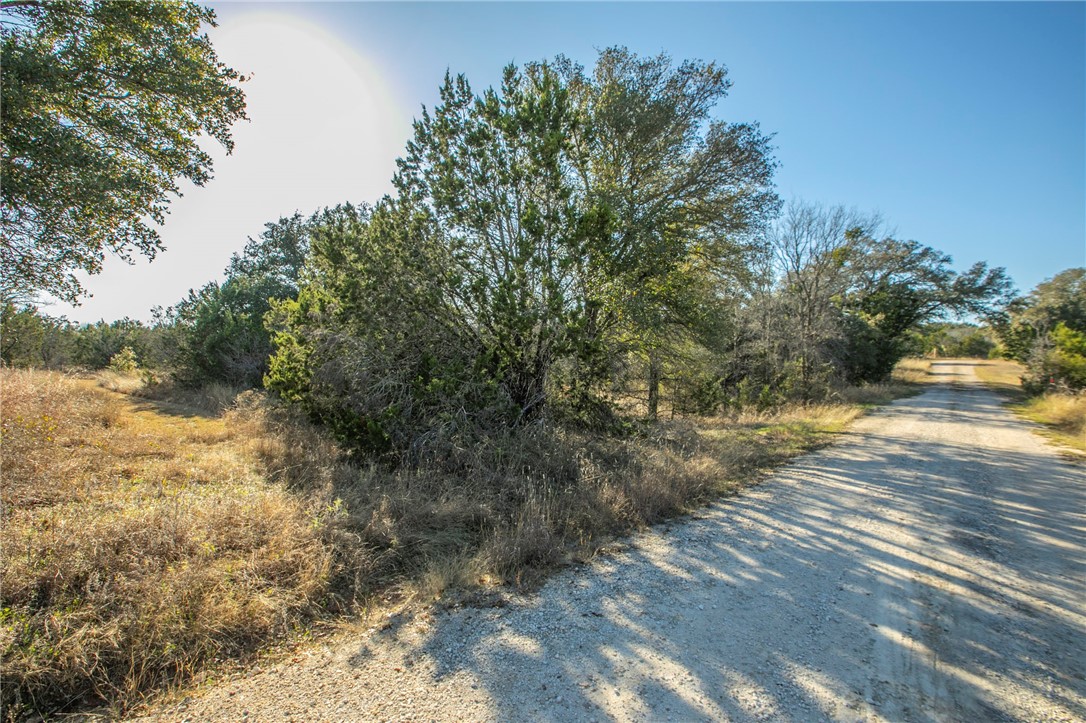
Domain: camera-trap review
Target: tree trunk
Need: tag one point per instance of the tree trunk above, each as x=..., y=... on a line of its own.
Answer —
x=654, y=385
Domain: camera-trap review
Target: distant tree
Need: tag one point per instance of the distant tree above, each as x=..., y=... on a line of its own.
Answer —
x=104, y=104
x=946, y=339
x=96, y=344
x=219, y=329
x=895, y=286
x=29, y=338
x=848, y=301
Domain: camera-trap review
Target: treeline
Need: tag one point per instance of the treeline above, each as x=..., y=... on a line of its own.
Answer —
x=582, y=247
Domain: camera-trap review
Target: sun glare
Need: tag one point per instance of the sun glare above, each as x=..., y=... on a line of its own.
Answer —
x=323, y=129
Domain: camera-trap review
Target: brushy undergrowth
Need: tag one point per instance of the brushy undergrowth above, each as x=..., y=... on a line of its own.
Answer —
x=1062, y=415
x=145, y=539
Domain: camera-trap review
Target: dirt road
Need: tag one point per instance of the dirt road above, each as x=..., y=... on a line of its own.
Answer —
x=932, y=566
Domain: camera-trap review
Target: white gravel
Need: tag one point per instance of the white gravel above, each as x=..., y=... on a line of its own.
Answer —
x=932, y=566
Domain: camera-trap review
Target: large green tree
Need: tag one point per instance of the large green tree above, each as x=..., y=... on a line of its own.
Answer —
x=540, y=229
x=104, y=105
x=685, y=193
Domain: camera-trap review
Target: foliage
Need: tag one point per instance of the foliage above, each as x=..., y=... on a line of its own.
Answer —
x=946, y=339
x=685, y=195
x=370, y=347
x=29, y=338
x=124, y=361
x=96, y=344
x=1043, y=330
x=522, y=257
x=219, y=330
x=104, y=105
x=849, y=300
x=1058, y=362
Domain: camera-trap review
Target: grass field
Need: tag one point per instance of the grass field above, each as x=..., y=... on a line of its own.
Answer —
x=138, y=545
x=1062, y=415
x=146, y=540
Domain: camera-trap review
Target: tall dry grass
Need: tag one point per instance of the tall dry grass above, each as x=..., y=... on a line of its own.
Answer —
x=147, y=538
x=137, y=546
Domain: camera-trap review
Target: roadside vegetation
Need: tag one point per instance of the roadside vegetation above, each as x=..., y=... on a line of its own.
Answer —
x=148, y=539
x=583, y=310
x=1042, y=339
x=1062, y=414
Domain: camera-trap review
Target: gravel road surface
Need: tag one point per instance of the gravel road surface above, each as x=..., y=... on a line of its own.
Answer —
x=931, y=566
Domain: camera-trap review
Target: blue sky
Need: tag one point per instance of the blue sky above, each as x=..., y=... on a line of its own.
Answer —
x=964, y=124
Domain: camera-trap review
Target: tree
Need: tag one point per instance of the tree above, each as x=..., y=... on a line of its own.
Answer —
x=685, y=194
x=852, y=298
x=1045, y=329
x=104, y=104
x=219, y=329
x=896, y=286
x=492, y=173
x=97, y=343
x=521, y=254
x=1029, y=319
x=811, y=247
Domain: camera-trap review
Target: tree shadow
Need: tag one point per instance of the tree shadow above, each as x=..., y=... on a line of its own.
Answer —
x=922, y=570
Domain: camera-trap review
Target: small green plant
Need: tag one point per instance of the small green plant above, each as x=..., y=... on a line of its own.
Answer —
x=124, y=361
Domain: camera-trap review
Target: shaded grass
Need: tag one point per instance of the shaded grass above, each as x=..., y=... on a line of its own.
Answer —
x=147, y=539
x=1062, y=415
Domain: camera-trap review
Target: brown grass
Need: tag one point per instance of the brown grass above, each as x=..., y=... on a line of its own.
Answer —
x=1001, y=375
x=146, y=539
x=137, y=546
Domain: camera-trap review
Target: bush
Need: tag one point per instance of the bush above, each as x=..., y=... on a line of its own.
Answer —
x=124, y=361
x=1058, y=362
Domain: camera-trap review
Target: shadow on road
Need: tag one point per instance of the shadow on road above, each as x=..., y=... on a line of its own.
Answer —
x=930, y=567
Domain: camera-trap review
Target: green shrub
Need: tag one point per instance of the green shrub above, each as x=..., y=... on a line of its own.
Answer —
x=124, y=361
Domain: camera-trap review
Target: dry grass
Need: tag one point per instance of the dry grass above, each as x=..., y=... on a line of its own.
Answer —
x=1000, y=374
x=145, y=539
x=908, y=378
x=1063, y=415
x=912, y=370
x=138, y=546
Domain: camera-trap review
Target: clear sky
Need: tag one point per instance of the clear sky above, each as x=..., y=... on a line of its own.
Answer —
x=964, y=124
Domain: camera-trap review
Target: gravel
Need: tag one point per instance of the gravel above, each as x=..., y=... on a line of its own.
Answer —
x=932, y=566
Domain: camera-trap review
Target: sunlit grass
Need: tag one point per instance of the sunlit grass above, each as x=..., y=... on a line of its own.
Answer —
x=137, y=546
x=1000, y=374
x=1062, y=415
